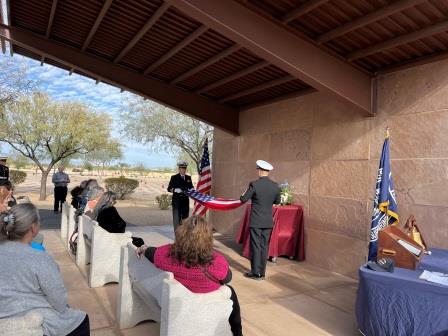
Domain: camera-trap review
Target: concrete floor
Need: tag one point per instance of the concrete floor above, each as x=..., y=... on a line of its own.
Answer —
x=295, y=299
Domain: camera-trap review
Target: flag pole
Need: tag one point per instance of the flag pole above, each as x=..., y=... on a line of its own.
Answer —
x=387, y=135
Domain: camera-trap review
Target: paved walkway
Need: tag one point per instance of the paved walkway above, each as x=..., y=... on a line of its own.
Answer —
x=295, y=299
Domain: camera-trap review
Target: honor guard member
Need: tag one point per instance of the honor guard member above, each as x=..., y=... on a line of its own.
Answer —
x=180, y=202
x=264, y=193
x=4, y=170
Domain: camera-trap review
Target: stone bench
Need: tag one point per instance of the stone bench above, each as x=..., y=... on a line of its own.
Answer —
x=148, y=293
x=64, y=222
x=29, y=324
x=68, y=223
x=100, y=249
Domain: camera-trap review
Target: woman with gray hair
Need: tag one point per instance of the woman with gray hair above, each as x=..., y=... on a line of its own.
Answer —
x=108, y=217
x=30, y=279
x=89, y=185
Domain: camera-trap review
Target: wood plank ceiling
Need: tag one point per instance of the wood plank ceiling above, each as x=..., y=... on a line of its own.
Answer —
x=158, y=41
x=374, y=35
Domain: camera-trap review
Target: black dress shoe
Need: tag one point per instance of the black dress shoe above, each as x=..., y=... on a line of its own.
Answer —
x=255, y=276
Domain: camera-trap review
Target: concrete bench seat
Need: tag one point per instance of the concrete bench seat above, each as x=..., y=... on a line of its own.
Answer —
x=100, y=249
x=64, y=222
x=148, y=293
x=29, y=324
x=68, y=223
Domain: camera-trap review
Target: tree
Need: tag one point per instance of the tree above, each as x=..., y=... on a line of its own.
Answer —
x=13, y=81
x=139, y=168
x=47, y=132
x=122, y=165
x=87, y=166
x=164, y=129
x=18, y=160
x=102, y=158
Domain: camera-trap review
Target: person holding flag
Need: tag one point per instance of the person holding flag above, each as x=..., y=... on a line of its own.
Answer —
x=385, y=204
x=264, y=193
x=178, y=185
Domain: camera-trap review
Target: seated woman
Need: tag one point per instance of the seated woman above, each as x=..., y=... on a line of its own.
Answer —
x=77, y=194
x=89, y=185
x=30, y=279
x=92, y=199
x=194, y=263
x=108, y=217
x=6, y=190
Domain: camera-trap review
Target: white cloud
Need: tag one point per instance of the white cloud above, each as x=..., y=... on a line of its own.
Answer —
x=100, y=97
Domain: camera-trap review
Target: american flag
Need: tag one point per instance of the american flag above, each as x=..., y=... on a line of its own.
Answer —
x=204, y=185
x=213, y=203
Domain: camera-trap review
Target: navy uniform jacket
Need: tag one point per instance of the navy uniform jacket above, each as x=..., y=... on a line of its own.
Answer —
x=4, y=173
x=177, y=181
x=264, y=193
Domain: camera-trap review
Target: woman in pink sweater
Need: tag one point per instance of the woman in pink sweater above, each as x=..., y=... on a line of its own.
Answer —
x=195, y=264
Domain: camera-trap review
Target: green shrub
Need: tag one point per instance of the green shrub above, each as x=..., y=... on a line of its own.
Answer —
x=77, y=170
x=122, y=186
x=17, y=176
x=164, y=201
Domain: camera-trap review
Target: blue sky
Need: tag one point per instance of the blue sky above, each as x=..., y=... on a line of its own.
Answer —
x=102, y=97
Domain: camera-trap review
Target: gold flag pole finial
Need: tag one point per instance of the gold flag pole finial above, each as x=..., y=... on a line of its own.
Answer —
x=386, y=133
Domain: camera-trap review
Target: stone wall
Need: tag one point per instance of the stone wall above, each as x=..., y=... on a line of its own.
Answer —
x=328, y=150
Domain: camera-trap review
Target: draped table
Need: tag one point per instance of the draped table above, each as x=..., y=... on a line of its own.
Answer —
x=400, y=303
x=287, y=237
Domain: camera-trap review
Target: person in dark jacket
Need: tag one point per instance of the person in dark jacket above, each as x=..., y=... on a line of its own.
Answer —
x=4, y=170
x=108, y=217
x=180, y=202
x=264, y=193
x=76, y=196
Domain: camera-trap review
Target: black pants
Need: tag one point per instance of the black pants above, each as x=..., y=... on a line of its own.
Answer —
x=181, y=210
x=60, y=194
x=83, y=329
x=259, y=243
x=235, y=315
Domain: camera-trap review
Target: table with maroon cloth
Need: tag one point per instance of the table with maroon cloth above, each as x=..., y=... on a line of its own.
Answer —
x=287, y=237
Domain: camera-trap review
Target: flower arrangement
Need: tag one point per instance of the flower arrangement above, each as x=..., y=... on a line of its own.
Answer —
x=286, y=193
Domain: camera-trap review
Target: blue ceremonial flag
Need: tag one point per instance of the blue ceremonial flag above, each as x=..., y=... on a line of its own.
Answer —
x=385, y=203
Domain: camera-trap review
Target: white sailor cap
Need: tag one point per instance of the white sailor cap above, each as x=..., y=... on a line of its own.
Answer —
x=182, y=164
x=3, y=157
x=261, y=164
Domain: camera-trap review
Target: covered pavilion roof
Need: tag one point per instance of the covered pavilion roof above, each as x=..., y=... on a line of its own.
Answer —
x=213, y=58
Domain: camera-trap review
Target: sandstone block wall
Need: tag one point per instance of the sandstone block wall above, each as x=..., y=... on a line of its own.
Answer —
x=328, y=150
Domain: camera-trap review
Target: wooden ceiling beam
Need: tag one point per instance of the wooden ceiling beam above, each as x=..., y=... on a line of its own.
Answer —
x=198, y=107
x=2, y=41
x=233, y=77
x=257, y=88
x=399, y=40
x=302, y=10
x=152, y=20
x=198, y=32
x=282, y=48
x=207, y=63
x=97, y=23
x=49, y=26
x=362, y=21
x=8, y=13
x=51, y=18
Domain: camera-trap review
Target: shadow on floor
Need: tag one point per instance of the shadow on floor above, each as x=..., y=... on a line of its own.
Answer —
x=49, y=219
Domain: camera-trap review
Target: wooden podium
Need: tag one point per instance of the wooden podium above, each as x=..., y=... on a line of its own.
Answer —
x=395, y=244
